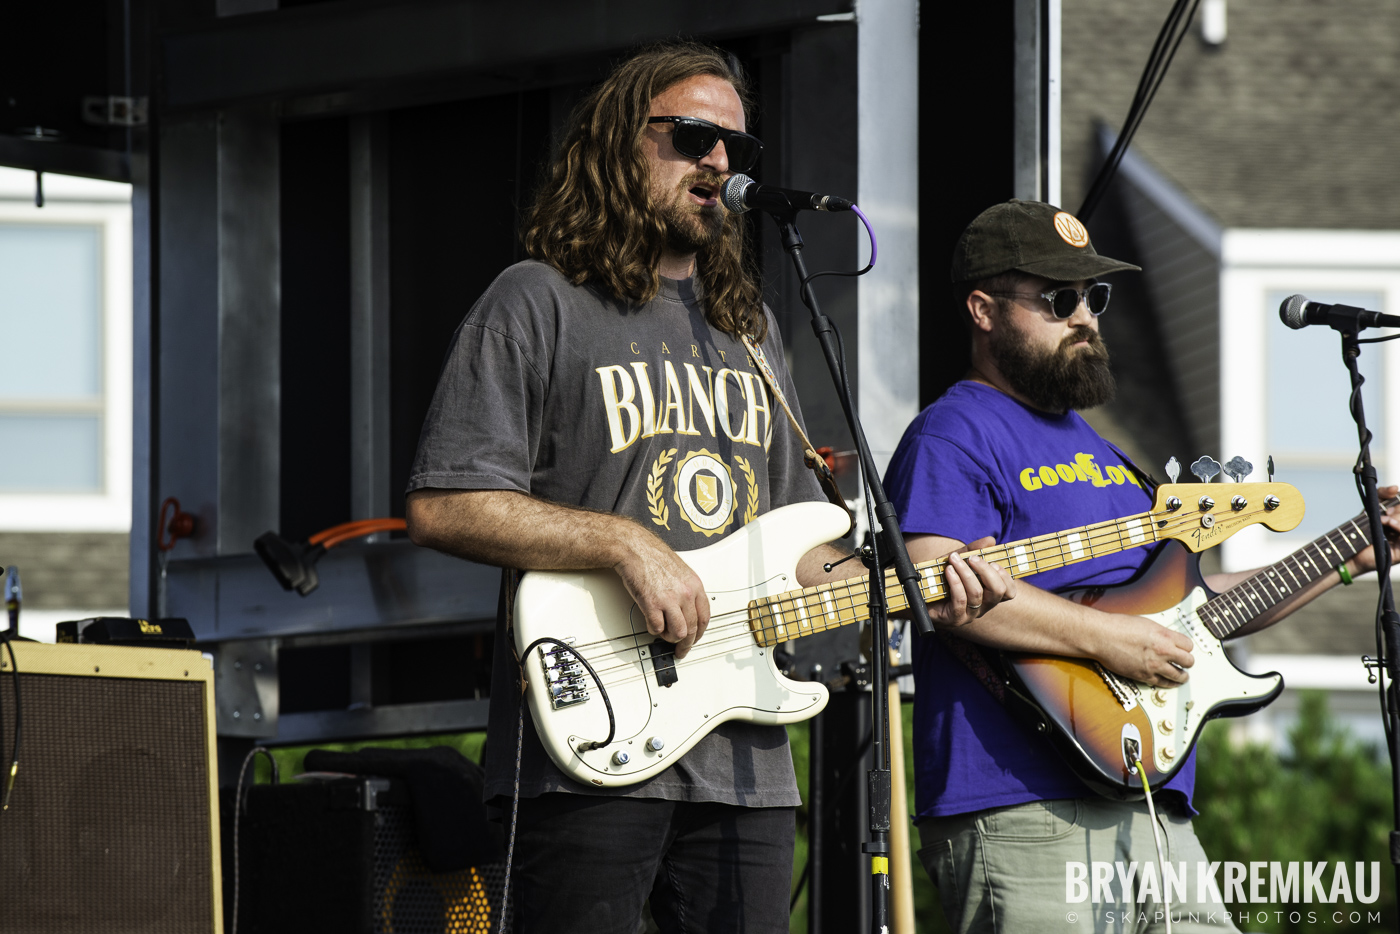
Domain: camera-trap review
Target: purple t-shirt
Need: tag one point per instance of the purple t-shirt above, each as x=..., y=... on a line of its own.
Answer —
x=976, y=463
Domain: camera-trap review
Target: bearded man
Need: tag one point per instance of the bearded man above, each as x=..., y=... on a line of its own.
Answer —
x=1004, y=453
x=599, y=409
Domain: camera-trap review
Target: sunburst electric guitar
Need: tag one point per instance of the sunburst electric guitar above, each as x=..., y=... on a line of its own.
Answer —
x=647, y=708
x=1099, y=721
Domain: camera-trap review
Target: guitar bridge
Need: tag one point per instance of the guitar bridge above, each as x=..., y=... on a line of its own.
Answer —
x=564, y=675
x=1124, y=694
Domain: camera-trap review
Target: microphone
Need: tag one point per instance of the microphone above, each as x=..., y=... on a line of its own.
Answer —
x=1297, y=312
x=742, y=193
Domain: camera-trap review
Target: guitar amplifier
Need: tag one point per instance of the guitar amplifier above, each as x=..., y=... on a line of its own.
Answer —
x=111, y=825
x=340, y=855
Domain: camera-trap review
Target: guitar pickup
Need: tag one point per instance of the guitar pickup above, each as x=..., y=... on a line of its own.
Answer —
x=663, y=663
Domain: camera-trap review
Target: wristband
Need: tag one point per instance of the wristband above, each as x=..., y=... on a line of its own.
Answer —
x=1345, y=574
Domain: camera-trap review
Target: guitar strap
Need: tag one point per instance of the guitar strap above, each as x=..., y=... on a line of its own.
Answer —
x=815, y=461
x=510, y=580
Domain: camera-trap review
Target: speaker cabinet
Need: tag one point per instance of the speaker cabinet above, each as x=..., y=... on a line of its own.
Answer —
x=342, y=856
x=111, y=825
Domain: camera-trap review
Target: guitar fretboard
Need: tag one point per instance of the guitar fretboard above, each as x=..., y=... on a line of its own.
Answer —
x=827, y=606
x=1228, y=612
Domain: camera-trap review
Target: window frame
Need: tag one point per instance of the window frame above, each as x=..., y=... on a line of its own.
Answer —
x=109, y=508
x=1255, y=264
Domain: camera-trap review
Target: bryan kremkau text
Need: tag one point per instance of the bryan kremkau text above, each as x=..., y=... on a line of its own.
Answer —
x=1118, y=883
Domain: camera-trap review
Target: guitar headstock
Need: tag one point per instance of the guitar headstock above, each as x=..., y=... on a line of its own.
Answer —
x=1202, y=515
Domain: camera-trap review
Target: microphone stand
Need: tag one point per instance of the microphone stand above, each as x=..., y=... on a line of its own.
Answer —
x=887, y=542
x=1388, y=631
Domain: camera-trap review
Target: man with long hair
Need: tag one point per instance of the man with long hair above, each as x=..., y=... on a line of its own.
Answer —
x=599, y=409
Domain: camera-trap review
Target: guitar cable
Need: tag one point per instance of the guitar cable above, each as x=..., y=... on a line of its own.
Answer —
x=1156, y=839
x=520, y=749
x=240, y=804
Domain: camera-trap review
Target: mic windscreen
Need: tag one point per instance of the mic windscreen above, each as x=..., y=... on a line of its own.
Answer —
x=732, y=194
x=1293, y=311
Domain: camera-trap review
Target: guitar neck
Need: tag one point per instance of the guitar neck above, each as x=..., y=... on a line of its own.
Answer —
x=1228, y=612
x=828, y=606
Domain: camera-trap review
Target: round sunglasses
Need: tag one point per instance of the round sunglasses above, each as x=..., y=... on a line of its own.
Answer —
x=695, y=138
x=1064, y=302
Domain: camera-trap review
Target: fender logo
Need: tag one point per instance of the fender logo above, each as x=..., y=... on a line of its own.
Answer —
x=1200, y=536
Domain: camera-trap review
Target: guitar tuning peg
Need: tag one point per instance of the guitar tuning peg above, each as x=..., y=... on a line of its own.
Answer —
x=1206, y=468
x=1237, y=468
x=1271, y=468
x=1173, y=468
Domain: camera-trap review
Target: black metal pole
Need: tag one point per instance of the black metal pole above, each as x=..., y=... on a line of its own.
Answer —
x=1388, y=621
x=887, y=548
x=816, y=822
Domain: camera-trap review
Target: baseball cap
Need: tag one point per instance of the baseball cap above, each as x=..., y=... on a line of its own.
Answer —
x=1031, y=237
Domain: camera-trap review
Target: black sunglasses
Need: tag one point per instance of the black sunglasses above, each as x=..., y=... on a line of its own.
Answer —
x=1064, y=302
x=695, y=138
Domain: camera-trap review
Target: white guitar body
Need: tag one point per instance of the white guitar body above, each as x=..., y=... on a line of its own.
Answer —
x=726, y=676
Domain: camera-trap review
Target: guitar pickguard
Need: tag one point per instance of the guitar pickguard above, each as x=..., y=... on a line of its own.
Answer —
x=1091, y=714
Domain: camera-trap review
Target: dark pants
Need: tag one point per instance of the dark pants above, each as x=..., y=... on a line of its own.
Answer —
x=587, y=864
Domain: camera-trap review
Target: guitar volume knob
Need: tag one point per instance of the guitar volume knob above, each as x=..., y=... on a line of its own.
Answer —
x=620, y=758
x=656, y=744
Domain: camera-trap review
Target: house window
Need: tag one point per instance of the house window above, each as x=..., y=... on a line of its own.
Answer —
x=65, y=355
x=1285, y=392
x=51, y=388
x=1309, y=428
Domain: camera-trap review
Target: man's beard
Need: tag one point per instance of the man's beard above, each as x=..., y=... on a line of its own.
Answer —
x=691, y=228
x=1055, y=380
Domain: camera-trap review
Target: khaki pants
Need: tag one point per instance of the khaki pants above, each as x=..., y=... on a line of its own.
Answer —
x=1061, y=865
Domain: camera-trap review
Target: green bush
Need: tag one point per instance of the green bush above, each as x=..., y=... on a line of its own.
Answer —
x=290, y=758
x=1327, y=799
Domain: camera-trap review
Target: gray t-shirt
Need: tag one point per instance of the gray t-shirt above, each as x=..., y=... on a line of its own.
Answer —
x=572, y=396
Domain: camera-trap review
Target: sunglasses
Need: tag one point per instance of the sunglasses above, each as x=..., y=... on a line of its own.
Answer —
x=695, y=138
x=1064, y=302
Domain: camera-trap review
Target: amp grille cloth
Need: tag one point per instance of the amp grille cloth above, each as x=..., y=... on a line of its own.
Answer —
x=408, y=899
x=109, y=824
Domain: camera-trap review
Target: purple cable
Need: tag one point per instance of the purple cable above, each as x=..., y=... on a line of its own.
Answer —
x=869, y=230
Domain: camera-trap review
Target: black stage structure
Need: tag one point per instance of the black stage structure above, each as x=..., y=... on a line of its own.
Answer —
x=323, y=187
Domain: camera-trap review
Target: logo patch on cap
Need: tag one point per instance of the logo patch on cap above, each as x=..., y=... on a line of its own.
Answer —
x=1070, y=230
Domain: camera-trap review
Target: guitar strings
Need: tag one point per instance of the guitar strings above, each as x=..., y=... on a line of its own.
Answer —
x=857, y=588
x=712, y=648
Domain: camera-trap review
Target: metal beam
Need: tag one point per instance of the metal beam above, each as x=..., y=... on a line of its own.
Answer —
x=327, y=47
x=250, y=346
x=181, y=377
x=65, y=159
x=374, y=586
x=369, y=317
x=294, y=729
x=1037, y=129
x=887, y=54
